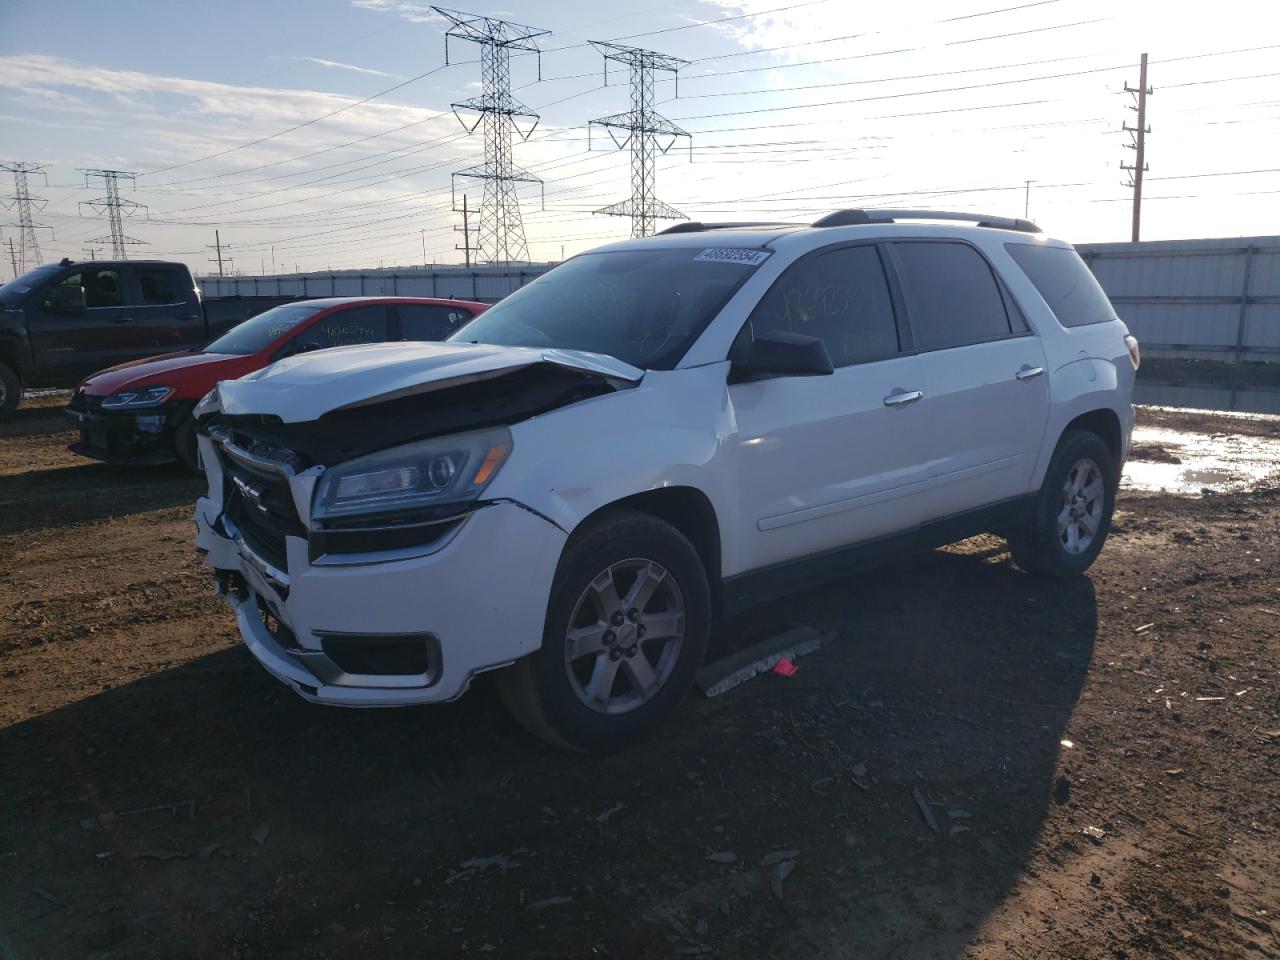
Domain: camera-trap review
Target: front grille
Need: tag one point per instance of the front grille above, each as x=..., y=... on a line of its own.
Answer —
x=260, y=504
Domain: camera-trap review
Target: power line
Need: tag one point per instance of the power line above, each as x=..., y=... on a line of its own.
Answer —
x=720, y=20
x=296, y=126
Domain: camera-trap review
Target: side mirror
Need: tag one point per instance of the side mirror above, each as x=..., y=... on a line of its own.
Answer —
x=66, y=300
x=780, y=353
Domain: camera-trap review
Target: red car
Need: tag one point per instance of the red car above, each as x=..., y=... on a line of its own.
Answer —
x=140, y=412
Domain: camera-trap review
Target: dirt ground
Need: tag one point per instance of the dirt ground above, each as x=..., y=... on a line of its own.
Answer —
x=1101, y=759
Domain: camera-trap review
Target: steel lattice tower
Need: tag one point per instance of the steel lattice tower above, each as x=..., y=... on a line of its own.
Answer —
x=644, y=127
x=115, y=209
x=500, y=233
x=28, y=254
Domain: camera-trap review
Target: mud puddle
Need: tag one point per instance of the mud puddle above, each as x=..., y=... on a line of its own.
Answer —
x=1192, y=463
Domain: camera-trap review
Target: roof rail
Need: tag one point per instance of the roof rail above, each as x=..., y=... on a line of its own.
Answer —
x=848, y=218
x=693, y=226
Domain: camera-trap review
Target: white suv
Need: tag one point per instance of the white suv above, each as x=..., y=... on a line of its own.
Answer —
x=652, y=435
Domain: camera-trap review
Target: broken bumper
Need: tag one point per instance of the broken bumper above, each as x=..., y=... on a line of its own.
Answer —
x=393, y=632
x=133, y=438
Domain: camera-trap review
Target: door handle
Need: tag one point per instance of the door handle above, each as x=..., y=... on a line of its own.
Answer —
x=1029, y=373
x=119, y=319
x=900, y=398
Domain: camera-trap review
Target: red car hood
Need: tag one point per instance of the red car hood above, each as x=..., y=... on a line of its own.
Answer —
x=191, y=374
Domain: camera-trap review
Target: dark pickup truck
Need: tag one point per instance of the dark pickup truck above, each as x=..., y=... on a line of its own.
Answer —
x=61, y=322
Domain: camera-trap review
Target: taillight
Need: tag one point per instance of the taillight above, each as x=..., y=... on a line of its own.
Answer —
x=1135, y=355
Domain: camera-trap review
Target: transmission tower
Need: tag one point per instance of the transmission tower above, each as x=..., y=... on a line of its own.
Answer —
x=1139, y=144
x=644, y=128
x=500, y=233
x=28, y=251
x=114, y=208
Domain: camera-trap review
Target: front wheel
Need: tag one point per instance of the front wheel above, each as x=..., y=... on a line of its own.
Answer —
x=626, y=628
x=1071, y=515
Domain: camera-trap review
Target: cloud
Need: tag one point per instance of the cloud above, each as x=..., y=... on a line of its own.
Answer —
x=408, y=9
x=337, y=65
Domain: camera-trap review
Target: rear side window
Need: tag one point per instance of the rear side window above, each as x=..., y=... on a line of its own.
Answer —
x=161, y=285
x=347, y=328
x=1067, y=285
x=840, y=297
x=952, y=296
x=424, y=321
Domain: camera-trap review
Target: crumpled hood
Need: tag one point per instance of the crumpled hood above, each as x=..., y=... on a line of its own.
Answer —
x=307, y=386
x=152, y=371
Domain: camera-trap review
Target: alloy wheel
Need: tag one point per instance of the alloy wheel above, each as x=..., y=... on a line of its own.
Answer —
x=624, y=636
x=1080, y=506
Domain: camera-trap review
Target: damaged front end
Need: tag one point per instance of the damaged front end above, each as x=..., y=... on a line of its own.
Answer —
x=369, y=520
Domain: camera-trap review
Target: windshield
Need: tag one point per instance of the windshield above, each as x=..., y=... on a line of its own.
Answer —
x=16, y=289
x=257, y=333
x=644, y=307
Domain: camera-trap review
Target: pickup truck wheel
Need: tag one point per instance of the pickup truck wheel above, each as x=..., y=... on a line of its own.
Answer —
x=626, y=628
x=1071, y=515
x=10, y=392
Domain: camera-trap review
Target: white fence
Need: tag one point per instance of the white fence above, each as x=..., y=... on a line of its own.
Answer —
x=1195, y=299
x=489, y=284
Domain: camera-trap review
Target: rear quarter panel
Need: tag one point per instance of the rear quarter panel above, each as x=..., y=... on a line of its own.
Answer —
x=1088, y=367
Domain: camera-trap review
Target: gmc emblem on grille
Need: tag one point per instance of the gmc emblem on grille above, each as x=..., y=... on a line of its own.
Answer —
x=251, y=493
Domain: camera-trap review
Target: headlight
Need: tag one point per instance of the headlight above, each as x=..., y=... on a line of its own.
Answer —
x=424, y=474
x=137, y=399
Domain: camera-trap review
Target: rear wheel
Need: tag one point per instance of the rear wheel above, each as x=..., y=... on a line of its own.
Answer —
x=626, y=628
x=10, y=391
x=1071, y=515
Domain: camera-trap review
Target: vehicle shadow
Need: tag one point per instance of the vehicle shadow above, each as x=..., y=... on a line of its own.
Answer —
x=88, y=491
x=429, y=832
x=30, y=421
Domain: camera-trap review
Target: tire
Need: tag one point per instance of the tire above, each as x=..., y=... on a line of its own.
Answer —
x=1071, y=516
x=10, y=392
x=184, y=445
x=614, y=691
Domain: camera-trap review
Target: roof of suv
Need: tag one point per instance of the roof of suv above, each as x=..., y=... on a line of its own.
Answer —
x=846, y=223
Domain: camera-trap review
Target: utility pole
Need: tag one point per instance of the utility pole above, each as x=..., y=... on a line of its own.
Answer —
x=1139, y=144
x=114, y=208
x=273, y=258
x=219, y=258
x=13, y=259
x=1026, y=206
x=465, y=230
x=501, y=229
x=91, y=252
x=643, y=126
x=21, y=201
x=423, y=231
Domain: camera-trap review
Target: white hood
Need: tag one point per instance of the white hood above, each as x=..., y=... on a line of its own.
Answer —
x=309, y=385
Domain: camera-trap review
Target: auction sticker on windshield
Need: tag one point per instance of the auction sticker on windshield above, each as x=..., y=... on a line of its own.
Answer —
x=750, y=258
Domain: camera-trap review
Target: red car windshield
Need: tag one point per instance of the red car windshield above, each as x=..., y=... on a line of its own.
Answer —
x=258, y=332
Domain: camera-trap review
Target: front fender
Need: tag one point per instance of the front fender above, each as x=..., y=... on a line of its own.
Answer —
x=666, y=432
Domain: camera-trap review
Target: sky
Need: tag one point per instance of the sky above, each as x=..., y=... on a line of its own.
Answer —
x=320, y=135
